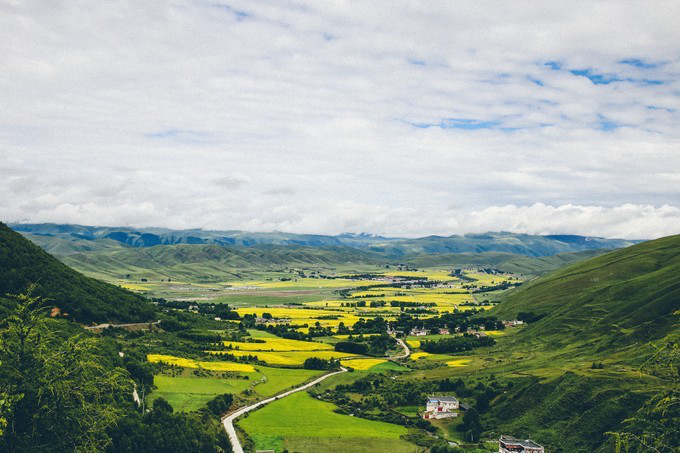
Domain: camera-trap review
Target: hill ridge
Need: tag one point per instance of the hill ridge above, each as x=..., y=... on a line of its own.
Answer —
x=84, y=299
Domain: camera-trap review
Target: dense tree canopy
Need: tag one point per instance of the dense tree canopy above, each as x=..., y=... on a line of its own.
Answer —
x=59, y=394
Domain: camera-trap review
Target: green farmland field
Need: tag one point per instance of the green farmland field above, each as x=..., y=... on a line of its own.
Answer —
x=280, y=379
x=189, y=393
x=301, y=423
x=192, y=393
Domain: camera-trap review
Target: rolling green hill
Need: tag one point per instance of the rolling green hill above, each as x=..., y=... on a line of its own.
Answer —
x=84, y=299
x=606, y=345
x=506, y=262
x=217, y=263
x=623, y=299
x=112, y=253
x=211, y=262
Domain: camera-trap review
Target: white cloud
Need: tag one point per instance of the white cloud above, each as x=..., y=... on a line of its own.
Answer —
x=186, y=114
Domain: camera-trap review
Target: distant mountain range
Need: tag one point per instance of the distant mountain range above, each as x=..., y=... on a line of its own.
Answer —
x=111, y=253
x=68, y=239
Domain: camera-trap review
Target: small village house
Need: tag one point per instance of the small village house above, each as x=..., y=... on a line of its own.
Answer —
x=418, y=332
x=508, y=444
x=438, y=407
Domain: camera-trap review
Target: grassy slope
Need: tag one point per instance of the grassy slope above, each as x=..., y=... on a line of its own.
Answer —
x=209, y=262
x=619, y=309
x=84, y=299
x=522, y=244
x=506, y=262
x=619, y=301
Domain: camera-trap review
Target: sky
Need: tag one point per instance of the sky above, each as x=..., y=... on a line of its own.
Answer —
x=400, y=118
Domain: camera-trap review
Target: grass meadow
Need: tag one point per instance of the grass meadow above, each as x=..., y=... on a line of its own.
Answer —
x=303, y=424
x=192, y=393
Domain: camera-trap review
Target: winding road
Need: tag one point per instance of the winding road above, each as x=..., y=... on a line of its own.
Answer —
x=407, y=351
x=228, y=420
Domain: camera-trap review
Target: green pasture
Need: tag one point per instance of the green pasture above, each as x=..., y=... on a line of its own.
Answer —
x=280, y=379
x=192, y=393
x=189, y=393
x=304, y=424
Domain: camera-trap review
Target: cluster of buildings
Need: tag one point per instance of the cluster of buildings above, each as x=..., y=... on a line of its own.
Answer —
x=416, y=332
x=422, y=332
x=259, y=320
x=439, y=407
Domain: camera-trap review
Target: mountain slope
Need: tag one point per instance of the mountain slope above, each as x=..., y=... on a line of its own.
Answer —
x=622, y=299
x=83, y=299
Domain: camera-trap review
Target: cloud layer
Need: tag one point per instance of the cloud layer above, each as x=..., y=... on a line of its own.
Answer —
x=390, y=117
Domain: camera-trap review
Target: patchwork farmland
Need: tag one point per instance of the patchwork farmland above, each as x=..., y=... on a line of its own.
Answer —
x=300, y=320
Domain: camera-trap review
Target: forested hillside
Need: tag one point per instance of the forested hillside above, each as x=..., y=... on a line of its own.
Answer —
x=80, y=298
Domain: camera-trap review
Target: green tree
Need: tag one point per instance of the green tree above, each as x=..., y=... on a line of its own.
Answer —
x=654, y=428
x=58, y=393
x=472, y=425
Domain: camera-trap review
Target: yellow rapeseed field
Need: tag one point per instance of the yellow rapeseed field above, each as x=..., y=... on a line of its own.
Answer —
x=191, y=363
x=305, y=315
x=458, y=362
x=134, y=286
x=362, y=364
x=288, y=357
x=279, y=344
x=495, y=333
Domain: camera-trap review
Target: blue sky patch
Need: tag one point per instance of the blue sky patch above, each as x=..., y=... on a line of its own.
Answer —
x=597, y=79
x=468, y=124
x=535, y=81
x=458, y=123
x=554, y=65
x=649, y=81
x=638, y=63
x=607, y=124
